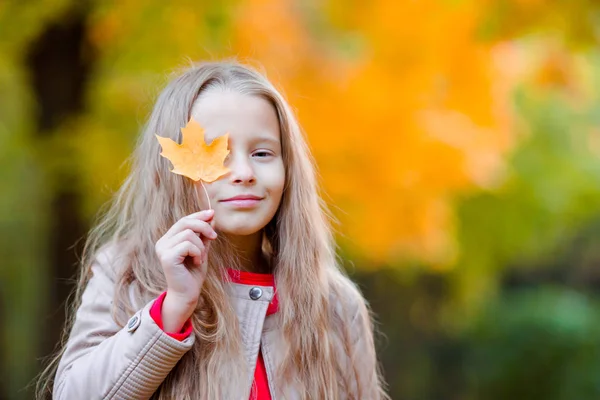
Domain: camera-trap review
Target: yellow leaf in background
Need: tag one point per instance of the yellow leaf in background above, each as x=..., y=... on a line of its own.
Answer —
x=193, y=157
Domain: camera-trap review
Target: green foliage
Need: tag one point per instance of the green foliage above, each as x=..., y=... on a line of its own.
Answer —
x=552, y=188
x=535, y=344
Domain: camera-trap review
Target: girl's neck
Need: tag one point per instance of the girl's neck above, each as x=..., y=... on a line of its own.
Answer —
x=250, y=251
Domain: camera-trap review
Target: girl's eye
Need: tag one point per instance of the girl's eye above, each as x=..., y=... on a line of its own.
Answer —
x=261, y=154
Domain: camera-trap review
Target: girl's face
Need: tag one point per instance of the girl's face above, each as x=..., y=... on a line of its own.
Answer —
x=248, y=196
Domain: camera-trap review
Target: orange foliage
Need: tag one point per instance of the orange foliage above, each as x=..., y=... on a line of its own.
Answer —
x=432, y=96
x=403, y=106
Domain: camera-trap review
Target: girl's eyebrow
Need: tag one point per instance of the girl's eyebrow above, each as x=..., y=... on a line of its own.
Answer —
x=267, y=139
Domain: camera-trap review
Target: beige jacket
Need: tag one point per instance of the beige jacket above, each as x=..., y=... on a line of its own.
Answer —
x=103, y=360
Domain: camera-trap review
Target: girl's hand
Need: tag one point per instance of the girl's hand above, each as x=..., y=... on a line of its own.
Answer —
x=182, y=252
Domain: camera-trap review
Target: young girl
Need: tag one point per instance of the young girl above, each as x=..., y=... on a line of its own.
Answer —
x=242, y=300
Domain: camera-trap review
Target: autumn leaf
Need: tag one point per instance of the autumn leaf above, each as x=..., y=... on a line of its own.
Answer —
x=193, y=157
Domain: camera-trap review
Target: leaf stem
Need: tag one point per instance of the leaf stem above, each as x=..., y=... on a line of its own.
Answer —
x=206, y=193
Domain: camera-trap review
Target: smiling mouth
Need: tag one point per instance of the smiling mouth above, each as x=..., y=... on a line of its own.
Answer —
x=242, y=202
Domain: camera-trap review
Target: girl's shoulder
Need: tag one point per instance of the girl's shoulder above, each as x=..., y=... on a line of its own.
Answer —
x=105, y=266
x=109, y=276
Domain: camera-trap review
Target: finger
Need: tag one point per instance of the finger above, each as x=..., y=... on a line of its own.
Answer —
x=177, y=226
x=187, y=249
x=201, y=227
x=197, y=260
x=204, y=215
x=183, y=236
x=196, y=225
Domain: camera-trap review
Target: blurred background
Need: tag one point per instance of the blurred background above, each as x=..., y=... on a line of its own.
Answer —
x=458, y=143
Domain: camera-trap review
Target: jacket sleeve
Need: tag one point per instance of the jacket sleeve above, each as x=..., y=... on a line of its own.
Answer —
x=101, y=360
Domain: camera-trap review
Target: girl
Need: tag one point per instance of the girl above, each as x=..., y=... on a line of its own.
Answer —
x=243, y=300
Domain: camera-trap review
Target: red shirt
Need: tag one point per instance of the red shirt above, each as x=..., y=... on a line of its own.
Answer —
x=260, y=389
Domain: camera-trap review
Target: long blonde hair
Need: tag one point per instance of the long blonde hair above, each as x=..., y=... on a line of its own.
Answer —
x=298, y=241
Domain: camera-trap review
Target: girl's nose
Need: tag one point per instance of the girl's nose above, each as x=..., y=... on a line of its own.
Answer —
x=241, y=171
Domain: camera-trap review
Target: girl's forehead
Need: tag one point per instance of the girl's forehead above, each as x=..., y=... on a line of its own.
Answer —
x=244, y=117
x=242, y=135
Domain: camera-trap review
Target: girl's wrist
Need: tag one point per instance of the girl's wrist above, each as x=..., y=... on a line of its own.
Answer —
x=176, y=311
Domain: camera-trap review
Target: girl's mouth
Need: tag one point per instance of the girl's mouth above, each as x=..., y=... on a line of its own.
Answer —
x=239, y=202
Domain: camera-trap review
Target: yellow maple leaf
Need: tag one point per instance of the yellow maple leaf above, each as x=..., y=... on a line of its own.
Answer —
x=193, y=157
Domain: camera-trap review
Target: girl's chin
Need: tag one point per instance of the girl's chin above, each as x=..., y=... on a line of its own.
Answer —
x=238, y=230
x=238, y=225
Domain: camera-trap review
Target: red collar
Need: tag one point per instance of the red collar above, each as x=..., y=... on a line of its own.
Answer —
x=253, y=278
x=250, y=278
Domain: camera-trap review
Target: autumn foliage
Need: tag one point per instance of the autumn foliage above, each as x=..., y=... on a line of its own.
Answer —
x=408, y=111
x=403, y=108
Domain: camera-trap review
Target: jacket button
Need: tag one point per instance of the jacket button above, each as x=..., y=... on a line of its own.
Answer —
x=133, y=323
x=255, y=293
